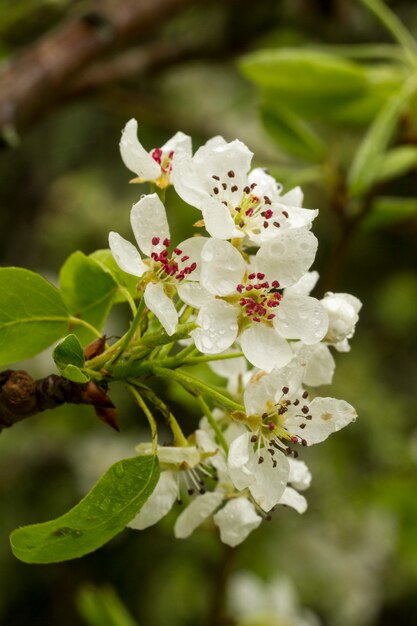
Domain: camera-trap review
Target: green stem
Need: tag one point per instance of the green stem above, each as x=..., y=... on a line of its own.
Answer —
x=149, y=417
x=80, y=322
x=129, y=299
x=211, y=357
x=213, y=423
x=394, y=26
x=124, y=342
x=179, y=437
x=195, y=387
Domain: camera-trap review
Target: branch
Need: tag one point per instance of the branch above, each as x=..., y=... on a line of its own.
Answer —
x=21, y=396
x=32, y=81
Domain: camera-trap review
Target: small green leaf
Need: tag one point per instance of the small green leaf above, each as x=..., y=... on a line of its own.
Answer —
x=104, y=512
x=74, y=373
x=388, y=211
x=394, y=163
x=68, y=351
x=305, y=73
x=292, y=134
x=125, y=281
x=103, y=607
x=88, y=291
x=360, y=176
x=32, y=314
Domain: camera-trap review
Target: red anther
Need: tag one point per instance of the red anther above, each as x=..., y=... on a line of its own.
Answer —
x=252, y=276
x=260, y=275
x=271, y=316
x=294, y=439
x=193, y=266
x=240, y=288
x=167, y=242
x=271, y=426
x=154, y=256
x=155, y=241
x=268, y=214
x=249, y=212
x=177, y=251
x=157, y=155
x=255, y=199
x=275, y=284
x=256, y=319
x=185, y=258
x=170, y=154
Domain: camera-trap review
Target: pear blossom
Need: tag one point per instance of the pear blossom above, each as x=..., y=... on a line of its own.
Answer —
x=279, y=414
x=154, y=166
x=163, y=274
x=343, y=311
x=234, y=202
x=248, y=300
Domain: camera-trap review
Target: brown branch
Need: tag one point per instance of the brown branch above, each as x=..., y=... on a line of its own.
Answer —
x=32, y=81
x=21, y=396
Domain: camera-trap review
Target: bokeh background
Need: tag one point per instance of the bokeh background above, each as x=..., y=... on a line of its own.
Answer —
x=177, y=65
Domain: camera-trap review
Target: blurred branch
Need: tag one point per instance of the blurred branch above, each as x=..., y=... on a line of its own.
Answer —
x=32, y=81
x=21, y=396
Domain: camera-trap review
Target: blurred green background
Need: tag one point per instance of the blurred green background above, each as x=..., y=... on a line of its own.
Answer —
x=320, y=91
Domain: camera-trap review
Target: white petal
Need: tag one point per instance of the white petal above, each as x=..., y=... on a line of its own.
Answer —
x=304, y=286
x=194, y=294
x=218, y=160
x=264, y=348
x=148, y=219
x=161, y=306
x=294, y=197
x=126, y=255
x=295, y=500
x=270, y=482
x=342, y=309
x=184, y=456
x=300, y=475
x=288, y=256
x=237, y=462
x=300, y=218
x=186, y=181
x=191, y=248
x=301, y=317
x=196, y=512
x=180, y=141
x=329, y=415
x=218, y=327
x=318, y=363
x=158, y=504
x=223, y=267
x=134, y=156
x=236, y=520
x=266, y=185
x=261, y=390
x=217, y=219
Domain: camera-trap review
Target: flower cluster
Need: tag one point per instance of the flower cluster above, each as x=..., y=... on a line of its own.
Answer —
x=246, y=286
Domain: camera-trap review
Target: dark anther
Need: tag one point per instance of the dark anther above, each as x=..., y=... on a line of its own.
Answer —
x=285, y=389
x=235, y=188
x=215, y=189
x=215, y=177
x=303, y=425
x=261, y=460
x=231, y=174
x=304, y=410
x=305, y=395
x=254, y=438
x=224, y=185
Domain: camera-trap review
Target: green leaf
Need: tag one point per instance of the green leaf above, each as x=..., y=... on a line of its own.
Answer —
x=104, y=512
x=32, y=314
x=69, y=359
x=389, y=211
x=88, y=291
x=103, y=607
x=308, y=73
x=68, y=351
x=394, y=163
x=360, y=176
x=125, y=281
x=292, y=135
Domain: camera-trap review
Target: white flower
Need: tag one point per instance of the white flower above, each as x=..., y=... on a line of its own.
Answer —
x=236, y=520
x=247, y=300
x=155, y=166
x=233, y=203
x=166, y=273
x=278, y=414
x=343, y=310
x=253, y=601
